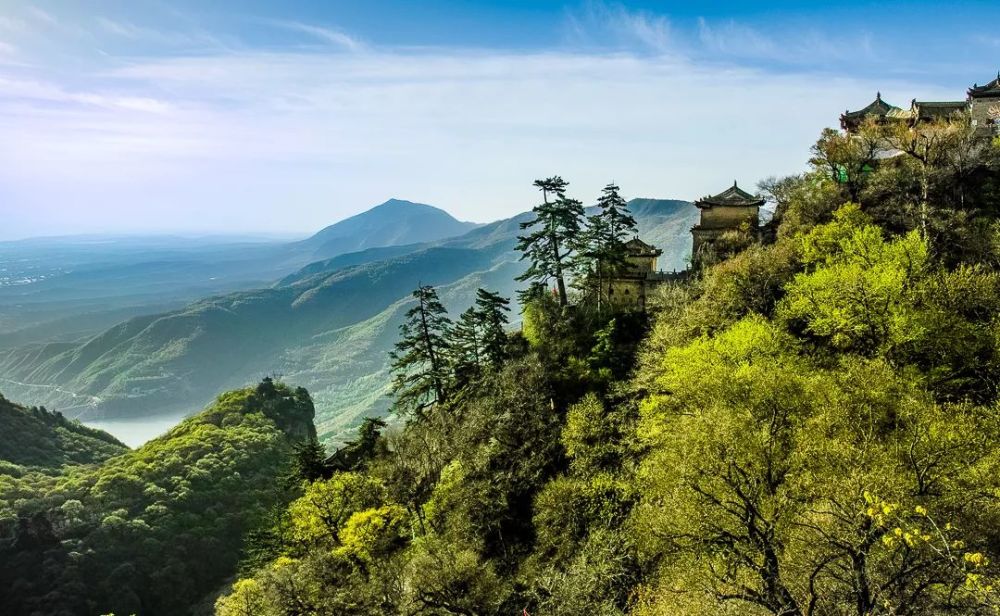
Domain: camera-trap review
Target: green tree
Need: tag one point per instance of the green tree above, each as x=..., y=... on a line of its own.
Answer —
x=465, y=348
x=418, y=360
x=309, y=463
x=601, y=252
x=554, y=230
x=491, y=312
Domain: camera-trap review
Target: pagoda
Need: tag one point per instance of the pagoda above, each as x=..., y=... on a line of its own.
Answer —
x=730, y=210
x=879, y=109
x=984, y=105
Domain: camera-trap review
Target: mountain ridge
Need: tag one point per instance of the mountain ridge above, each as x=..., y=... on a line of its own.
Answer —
x=345, y=306
x=393, y=222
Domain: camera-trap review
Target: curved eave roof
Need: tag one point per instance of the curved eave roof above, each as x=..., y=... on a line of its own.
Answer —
x=733, y=197
x=639, y=248
x=878, y=107
x=990, y=90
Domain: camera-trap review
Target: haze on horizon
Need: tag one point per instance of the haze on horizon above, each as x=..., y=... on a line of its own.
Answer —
x=282, y=117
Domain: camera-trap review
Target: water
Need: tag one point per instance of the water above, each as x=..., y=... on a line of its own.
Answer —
x=135, y=432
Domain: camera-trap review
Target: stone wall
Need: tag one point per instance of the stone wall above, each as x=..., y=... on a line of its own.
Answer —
x=728, y=217
x=985, y=113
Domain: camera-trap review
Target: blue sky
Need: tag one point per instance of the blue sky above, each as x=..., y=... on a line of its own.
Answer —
x=244, y=116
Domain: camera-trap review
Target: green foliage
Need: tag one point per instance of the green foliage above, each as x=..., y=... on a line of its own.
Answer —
x=419, y=360
x=151, y=531
x=45, y=440
x=600, y=248
x=556, y=229
x=491, y=311
x=809, y=427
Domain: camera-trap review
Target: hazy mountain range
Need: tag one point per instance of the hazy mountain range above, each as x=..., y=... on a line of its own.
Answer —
x=327, y=325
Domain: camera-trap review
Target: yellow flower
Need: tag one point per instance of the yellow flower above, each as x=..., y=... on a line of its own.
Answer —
x=975, y=559
x=920, y=510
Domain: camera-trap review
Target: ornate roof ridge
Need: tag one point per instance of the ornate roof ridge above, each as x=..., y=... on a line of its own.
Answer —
x=991, y=88
x=876, y=107
x=734, y=195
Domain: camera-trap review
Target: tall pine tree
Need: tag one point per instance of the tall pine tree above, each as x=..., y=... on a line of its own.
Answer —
x=556, y=226
x=602, y=254
x=419, y=359
x=465, y=348
x=491, y=312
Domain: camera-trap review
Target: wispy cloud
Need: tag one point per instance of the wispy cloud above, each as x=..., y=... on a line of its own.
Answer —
x=219, y=135
x=602, y=24
x=39, y=15
x=329, y=134
x=330, y=36
x=29, y=91
x=158, y=36
x=734, y=40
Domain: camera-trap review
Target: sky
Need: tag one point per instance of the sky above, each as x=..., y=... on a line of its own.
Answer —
x=253, y=116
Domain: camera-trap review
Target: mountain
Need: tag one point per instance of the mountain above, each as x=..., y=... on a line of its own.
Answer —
x=44, y=440
x=152, y=531
x=327, y=326
x=66, y=289
x=392, y=223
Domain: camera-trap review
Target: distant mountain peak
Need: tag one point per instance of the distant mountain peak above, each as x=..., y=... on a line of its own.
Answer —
x=391, y=223
x=394, y=202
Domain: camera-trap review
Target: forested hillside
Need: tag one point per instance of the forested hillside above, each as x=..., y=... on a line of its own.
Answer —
x=151, y=531
x=40, y=439
x=807, y=427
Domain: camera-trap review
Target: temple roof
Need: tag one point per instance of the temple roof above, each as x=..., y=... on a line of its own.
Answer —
x=878, y=107
x=932, y=110
x=987, y=91
x=639, y=248
x=733, y=196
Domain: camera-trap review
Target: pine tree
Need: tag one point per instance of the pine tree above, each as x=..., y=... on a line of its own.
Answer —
x=491, y=312
x=308, y=463
x=465, y=347
x=419, y=359
x=556, y=226
x=601, y=252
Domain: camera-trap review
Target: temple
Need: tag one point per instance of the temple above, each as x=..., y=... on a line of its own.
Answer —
x=877, y=109
x=630, y=287
x=982, y=106
x=731, y=210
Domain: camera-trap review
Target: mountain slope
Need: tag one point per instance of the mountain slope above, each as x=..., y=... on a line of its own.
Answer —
x=392, y=223
x=154, y=530
x=328, y=327
x=59, y=289
x=34, y=437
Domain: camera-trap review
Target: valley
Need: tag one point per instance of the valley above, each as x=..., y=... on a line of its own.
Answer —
x=326, y=326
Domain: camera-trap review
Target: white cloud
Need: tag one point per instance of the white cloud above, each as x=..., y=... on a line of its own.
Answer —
x=39, y=15
x=155, y=36
x=229, y=140
x=599, y=24
x=797, y=46
x=327, y=35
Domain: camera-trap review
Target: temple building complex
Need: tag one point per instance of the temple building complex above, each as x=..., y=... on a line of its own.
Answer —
x=982, y=104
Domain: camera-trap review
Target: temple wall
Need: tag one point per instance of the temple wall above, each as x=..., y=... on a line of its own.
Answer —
x=642, y=264
x=627, y=293
x=729, y=217
x=981, y=111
